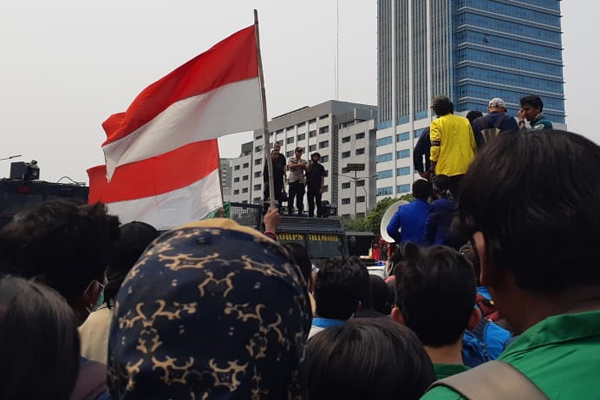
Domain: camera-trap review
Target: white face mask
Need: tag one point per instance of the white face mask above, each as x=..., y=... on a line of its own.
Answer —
x=99, y=302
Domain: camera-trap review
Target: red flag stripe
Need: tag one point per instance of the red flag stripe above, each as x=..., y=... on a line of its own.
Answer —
x=156, y=175
x=215, y=68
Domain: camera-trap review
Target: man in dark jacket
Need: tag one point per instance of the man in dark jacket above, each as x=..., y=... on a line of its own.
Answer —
x=422, y=150
x=496, y=118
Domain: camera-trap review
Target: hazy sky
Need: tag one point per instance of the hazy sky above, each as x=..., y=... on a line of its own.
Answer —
x=65, y=66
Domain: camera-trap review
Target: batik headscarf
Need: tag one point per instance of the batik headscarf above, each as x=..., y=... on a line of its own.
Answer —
x=212, y=310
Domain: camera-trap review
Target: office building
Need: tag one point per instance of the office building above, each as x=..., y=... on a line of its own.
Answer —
x=330, y=128
x=469, y=50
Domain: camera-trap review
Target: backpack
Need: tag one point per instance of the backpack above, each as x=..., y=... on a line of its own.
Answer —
x=495, y=380
x=491, y=133
x=484, y=343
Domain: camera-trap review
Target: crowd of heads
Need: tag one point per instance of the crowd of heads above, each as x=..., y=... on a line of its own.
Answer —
x=214, y=310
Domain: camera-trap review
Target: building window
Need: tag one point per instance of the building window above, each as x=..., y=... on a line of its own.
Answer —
x=385, y=191
x=325, y=188
x=257, y=174
x=403, y=171
x=301, y=124
x=246, y=165
x=384, y=141
x=385, y=174
x=257, y=149
x=312, y=148
x=360, y=151
x=236, y=191
x=312, y=133
x=258, y=161
x=346, y=139
x=312, y=121
x=324, y=116
x=346, y=185
x=290, y=128
x=260, y=137
x=324, y=144
x=324, y=159
x=245, y=190
x=384, y=157
x=289, y=153
x=360, y=199
x=236, y=168
x=245, y=201
x=323, y=129
x=346, y=201
x=360, y=135
x=403, y=153
x=301, y=136
x=245, y=177
x=346, y=154
x=360, y=183
x=403, y=189
x=236, y=179
x=289, y=140
x=402, y=137
x=280, y=142
x=360, y=215
x=257, y=187
x=256, y=200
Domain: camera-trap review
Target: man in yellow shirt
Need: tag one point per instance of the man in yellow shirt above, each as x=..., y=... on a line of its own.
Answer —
x=452, y=142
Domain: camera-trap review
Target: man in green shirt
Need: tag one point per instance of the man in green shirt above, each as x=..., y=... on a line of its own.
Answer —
x=435, y=298
x=531, y=110
x=534, y=217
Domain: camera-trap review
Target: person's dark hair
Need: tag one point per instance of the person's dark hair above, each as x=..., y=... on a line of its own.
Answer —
x=300, y=255
x=435, y=292
x=421, y=189
x=537, y=207
x=367, y=359
x=39, y=342
x=473, y=115
x=468, y=252
x=442, y=106
x=61, y=243
x=442, y=184
x=315, y=154
x=533, y=101
x=134, y=238
x=338, y=288
x=379, y=292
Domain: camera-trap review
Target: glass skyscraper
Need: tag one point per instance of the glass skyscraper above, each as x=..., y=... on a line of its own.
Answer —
x=469, y=50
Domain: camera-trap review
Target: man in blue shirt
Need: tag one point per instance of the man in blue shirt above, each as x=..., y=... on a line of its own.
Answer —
x=408, y=223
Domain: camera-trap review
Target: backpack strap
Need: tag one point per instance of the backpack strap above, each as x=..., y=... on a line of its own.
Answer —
x=494, y=380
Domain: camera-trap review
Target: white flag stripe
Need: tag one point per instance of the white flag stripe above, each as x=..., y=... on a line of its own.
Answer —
x=172, y=209
x=228, y=109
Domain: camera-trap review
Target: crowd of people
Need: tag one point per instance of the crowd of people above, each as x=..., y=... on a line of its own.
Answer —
x=497, y=298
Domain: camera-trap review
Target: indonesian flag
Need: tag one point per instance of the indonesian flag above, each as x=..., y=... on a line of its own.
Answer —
x=162, y=159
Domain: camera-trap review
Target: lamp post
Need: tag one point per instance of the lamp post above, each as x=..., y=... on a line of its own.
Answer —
x=355, y=168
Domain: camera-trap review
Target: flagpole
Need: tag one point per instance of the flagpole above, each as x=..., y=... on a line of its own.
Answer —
x=266, y=134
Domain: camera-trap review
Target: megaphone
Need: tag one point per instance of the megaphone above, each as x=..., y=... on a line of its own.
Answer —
x=387, y=217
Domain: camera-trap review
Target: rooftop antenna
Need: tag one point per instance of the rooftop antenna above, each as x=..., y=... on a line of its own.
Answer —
x=11, y=157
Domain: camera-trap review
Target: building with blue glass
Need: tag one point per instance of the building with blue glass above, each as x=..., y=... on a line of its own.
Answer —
x=469, y=50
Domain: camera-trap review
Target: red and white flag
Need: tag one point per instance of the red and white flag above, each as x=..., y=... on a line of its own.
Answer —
x=161, y=154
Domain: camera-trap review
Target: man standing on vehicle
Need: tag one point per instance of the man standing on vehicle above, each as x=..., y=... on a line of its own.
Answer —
x=296, y=180
x=279, y=165
x=496, y=120
x=531, y=110
x=315, y=183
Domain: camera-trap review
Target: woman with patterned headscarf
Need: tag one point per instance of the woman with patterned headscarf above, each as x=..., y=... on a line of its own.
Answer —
x=213, y=310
